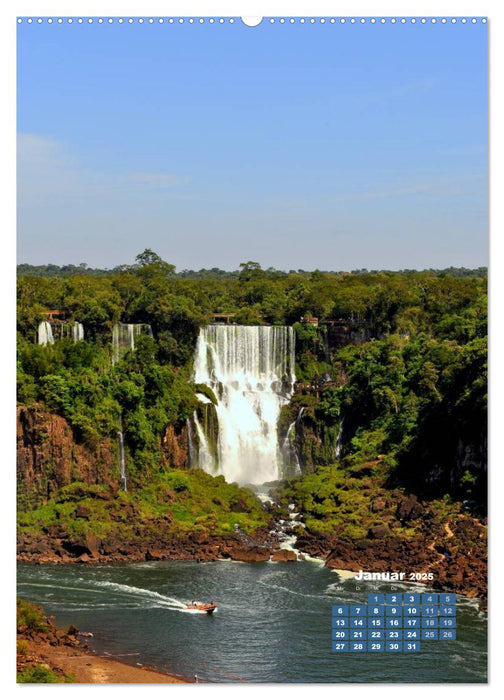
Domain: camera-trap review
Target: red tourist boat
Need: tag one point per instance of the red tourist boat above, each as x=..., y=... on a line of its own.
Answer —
x=208, y=608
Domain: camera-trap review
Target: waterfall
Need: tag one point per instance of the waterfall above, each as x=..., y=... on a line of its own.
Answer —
x=337, y=452
x=251, y=371
x=123, y=337
x=77, y=331
x=289, y=451
x=45, y=334
x=122, y=461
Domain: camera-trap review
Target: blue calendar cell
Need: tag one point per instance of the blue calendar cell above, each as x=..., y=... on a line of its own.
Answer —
x=430, y=622
x=447, y=598
x=412, y=622
x=358, y=646
x=376, y=610
x=376, y=634
x=448, y=635
x=340, y=646
x=358, y=610
x=450, y=622
x=411, y=598
x=447, y=610
x=340, y=635
x=393, y=634
x=376, y=622
x=393, y=598
x=430, y=598
x=358, y=634
x=393, y=646
x=339, y=610
x=393, y=622
x=413, y=610
x=411, y=646
x=376, y=598
x=412, y=634
x=340, y=622
x=430, y=610
x=393, y=610
x=376, y=646
x=428, y=635
x=358, y=622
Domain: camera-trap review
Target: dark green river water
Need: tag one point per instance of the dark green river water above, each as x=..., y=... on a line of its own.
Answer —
x=273, y=622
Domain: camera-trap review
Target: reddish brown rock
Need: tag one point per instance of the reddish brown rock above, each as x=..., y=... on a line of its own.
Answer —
x=378, y=531
x=284, y=555
x=175, y=447
x=252, y=554
x=378, y=504
x=48, y=456
x=153, y=555
x=83, y=512
x=409, y=509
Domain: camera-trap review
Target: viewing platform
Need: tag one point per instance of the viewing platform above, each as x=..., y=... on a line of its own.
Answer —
x=54, y=314
x=222, y=318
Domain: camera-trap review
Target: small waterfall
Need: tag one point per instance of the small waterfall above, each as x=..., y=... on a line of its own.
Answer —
x=337, y=451
x=206, y=460
x=289, y=451
x=45, y=334
x=48, y=333
x=191, y=438
x=251, y=371
x=286, y=536
x=123, y=337
x=122, y=461
x=77, y=332
x=205, y=422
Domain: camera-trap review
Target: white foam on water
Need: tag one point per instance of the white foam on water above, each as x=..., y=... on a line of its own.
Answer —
x=314, y=560
x=344, y=573
x=165, y=601
x=196, y=612
x=60, y=587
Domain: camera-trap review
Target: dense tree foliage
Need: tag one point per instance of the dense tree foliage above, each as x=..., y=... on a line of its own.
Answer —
x=402, y=356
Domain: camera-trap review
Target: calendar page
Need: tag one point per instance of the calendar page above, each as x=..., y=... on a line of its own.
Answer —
x=251, y=348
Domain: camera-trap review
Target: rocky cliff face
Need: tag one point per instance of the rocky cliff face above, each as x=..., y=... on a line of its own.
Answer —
x=176, y=447
x=48, y=457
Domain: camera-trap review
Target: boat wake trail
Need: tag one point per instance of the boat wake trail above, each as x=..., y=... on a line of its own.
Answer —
x=146, y=595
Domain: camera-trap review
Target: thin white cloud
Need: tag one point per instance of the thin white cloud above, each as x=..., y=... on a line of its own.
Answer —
x=155, y=180
x=466, y=187
x=47, y=169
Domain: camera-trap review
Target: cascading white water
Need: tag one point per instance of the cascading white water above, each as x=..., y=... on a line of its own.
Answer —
x=122, y=461
x=123, y=337
x=45, y=334
x=251, y=371
x=77, y=331
x=337, y=451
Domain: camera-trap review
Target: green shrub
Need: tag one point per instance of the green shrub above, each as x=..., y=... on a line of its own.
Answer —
x=40, y=674
x=30, y=617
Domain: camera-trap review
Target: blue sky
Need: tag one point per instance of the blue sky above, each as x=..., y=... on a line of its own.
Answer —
x=325, y=146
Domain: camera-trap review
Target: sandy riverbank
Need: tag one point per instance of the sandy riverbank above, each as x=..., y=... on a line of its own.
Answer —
x=65, y=656
x=86, y=667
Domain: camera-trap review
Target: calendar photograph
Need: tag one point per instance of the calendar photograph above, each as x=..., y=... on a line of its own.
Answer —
x=252, y=261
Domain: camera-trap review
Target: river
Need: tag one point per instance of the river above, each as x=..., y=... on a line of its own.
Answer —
x=273, y=622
